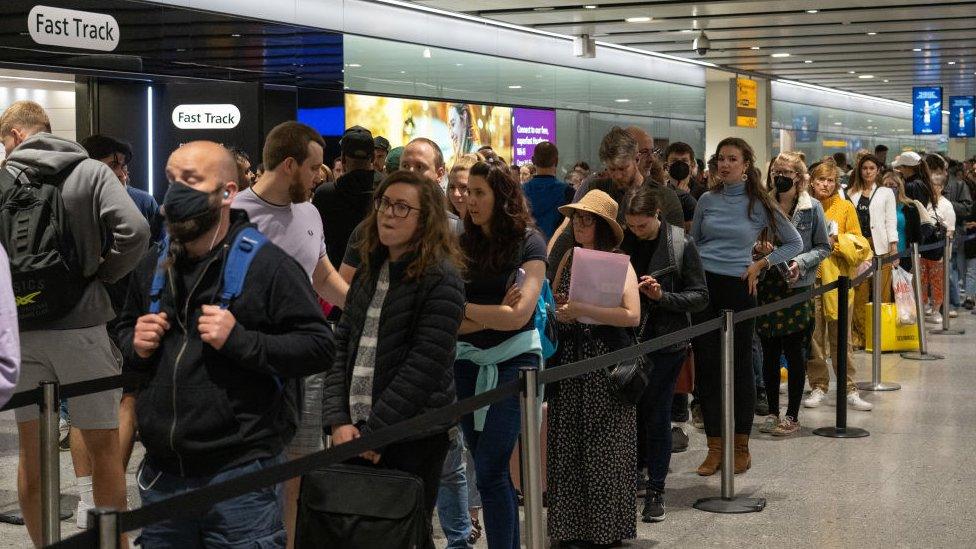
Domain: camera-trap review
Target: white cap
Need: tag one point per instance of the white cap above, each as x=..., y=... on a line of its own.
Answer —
x=909, y=158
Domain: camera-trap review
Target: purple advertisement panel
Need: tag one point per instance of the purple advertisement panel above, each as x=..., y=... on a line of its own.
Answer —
x=529, y=128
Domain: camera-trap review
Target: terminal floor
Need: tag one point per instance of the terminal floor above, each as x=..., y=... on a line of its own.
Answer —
x=910, y=484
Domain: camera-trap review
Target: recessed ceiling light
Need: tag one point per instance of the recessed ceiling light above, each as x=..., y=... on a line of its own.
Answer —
x=780, y=55
x=872, y=33
x=808, y=61
x=589, y=7
x=916, y=49
x=459, y=64
x=403, y=72
x=754, y=48
x=865, y=76
x=813, y=11
x=515, y=87
x=886, y=81
x=622, y=100
x=838, y=123
x=180, y=49
x=851, y=72
x=952, y=62
x=235, y=35
x=354, y=65
x=637, y=19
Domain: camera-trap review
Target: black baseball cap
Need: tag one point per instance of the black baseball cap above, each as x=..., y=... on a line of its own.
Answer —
x=357, y=142
x=381, y=142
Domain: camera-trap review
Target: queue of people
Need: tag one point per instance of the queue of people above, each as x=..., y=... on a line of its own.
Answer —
x=279, y=313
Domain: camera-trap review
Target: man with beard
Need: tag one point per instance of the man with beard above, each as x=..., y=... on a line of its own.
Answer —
x=221, y=396
x=278, y=205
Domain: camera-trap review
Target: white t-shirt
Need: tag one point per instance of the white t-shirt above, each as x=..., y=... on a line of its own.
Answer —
x=295, y=228
x=944, y=213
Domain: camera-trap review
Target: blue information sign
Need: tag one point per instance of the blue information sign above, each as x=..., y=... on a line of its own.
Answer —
x=927, y=110
x=961, y=123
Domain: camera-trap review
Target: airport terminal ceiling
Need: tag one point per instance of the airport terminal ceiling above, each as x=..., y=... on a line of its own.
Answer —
x=173, y=42
x=879, y=49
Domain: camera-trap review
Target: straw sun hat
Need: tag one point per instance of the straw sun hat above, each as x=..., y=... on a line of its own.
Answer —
x=601, y=205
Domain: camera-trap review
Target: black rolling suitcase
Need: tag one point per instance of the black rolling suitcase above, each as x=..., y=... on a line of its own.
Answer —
x=360, y=507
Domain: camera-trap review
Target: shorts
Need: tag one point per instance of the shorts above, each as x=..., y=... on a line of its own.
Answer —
x=309, y=437
x=70, y=356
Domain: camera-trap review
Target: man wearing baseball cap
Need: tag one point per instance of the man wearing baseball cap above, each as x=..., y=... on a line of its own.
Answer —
x=381, y=148
x=345, y=202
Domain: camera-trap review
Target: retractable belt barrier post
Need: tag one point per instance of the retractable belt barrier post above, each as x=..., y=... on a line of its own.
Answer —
x=531, y=457
x=50, y=405
x=105, y=521
x=728, y=503
x=841, y=430
x=923, y=346
x=946, y=260
x=876, y=384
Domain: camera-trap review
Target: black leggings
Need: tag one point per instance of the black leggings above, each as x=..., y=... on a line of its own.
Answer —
x=792, y=345
x=725, y=292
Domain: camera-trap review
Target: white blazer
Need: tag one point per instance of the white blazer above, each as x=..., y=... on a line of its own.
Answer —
x=884, y=219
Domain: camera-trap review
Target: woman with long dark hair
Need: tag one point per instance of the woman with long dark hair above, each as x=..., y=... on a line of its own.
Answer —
x=396, y=338
x=505, y=264
x=728, y=221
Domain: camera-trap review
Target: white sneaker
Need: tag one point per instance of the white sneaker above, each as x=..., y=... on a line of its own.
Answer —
x=953, y=313
x=855, y=401
x=81, y=515
x=816, y=398
x=936, y=318
x=929, y=311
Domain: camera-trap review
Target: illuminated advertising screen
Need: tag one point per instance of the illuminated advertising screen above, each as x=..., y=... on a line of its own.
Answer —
x=927, y=110
x=458, y=128
x=529, y=128
x=961, y=123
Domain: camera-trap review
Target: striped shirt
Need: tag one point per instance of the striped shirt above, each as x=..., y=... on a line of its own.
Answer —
x=361, y=386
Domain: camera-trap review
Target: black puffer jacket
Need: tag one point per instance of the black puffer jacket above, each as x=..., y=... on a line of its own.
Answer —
x=203, y=410
x=417, y=335
x=684, y=292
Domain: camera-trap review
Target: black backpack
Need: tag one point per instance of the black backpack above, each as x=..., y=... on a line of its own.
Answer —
x=44, y=266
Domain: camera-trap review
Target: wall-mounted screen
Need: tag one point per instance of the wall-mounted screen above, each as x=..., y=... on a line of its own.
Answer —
x=458, y=128
x=529, y=128
x=961, y=123
x=328, y=121
x=927, y=110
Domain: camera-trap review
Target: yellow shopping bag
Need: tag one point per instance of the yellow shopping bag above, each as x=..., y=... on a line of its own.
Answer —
x=893, y=336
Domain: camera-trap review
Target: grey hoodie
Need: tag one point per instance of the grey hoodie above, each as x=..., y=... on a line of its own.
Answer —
x=110, y=234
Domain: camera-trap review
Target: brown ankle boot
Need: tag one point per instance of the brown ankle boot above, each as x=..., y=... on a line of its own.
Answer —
x=714, y=458
x=743, y=461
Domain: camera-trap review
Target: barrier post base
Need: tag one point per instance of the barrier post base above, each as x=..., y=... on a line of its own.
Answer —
x=950, y=332
x=734, y=505
x=915, y=355
x=879, y=386
x=841, y=432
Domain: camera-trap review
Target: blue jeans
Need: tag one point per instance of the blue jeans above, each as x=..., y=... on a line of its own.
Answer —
x=253, y=520
x=654, y=416
x=971, y=278
x=492, y=448
x=953, y=288
x=452, y=496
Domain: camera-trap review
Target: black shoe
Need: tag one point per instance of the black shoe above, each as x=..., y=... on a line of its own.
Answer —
x=762, y=405
x=969, y=304
x=653, y=507
x=679, y=440
x=641, y=483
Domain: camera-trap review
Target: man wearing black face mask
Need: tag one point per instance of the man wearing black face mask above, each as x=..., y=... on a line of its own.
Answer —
x=222, y=389
x=680, y=164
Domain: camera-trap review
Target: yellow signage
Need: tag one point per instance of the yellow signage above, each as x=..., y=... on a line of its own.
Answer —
x=835, y=144
x=746, y=103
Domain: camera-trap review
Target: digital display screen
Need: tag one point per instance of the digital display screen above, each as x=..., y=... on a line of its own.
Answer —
x=529, y=128
x=927, y=110
x=961, y=122
x=328, y=121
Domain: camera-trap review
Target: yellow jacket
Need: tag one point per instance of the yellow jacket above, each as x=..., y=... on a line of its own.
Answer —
x=850, y=251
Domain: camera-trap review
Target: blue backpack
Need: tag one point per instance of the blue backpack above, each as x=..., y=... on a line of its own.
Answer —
x=242, y=251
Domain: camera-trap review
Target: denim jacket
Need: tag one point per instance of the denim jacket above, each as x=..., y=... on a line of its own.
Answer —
x=809, y=220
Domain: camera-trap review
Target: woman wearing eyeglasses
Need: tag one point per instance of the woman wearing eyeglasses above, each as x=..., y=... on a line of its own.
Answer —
x=505, y=264
x=396, y=339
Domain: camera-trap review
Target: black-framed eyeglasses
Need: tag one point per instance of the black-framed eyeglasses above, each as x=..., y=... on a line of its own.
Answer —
x=398, y=209
x=584, y=219
x=461, y=189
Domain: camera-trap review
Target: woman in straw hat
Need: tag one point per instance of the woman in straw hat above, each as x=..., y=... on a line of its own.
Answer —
x=591, y=452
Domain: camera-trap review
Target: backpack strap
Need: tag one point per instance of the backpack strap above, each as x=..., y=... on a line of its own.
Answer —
x=245, y=247
x=159, y=277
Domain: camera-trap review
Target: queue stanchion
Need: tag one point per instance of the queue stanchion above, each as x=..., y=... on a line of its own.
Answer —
x=531, y=457
x=876, y=384
x=840, y=429
x=728, y=502
x=106, y=521
x=923, y=345
x=50, y=405
x=946, y=259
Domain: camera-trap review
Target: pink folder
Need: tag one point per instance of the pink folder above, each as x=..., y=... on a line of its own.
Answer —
x=597, y=278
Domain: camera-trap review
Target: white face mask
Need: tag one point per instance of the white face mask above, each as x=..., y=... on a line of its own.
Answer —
x=939, y=178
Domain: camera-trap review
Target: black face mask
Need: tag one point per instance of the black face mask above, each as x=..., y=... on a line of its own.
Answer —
x=782, y=183
x=679, y=171
x=188, y=212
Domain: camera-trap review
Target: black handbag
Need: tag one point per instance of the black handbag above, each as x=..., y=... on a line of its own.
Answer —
x=629, y=378
x=361, y=507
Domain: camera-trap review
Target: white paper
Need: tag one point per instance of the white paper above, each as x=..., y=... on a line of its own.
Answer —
x=598, y=278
